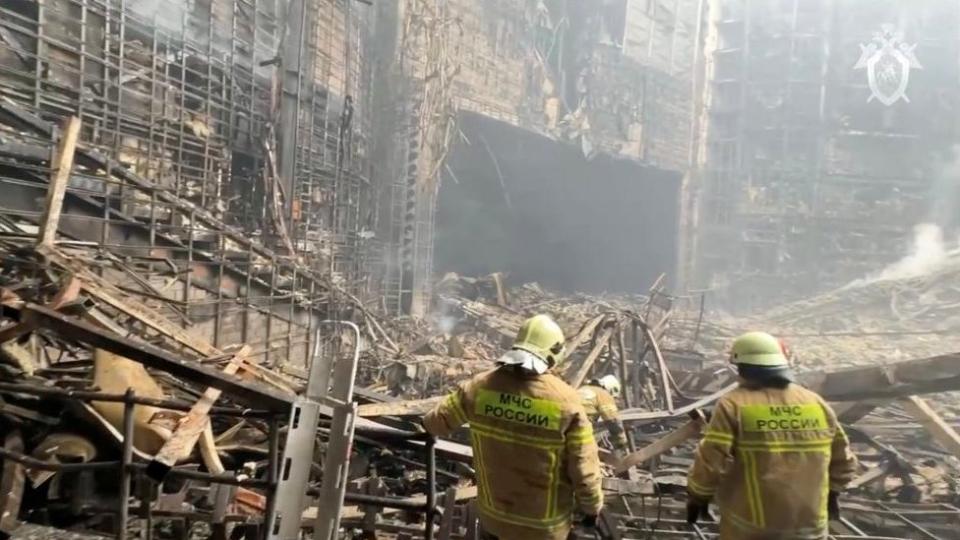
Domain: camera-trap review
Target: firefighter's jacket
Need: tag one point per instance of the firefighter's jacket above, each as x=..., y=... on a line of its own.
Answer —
x=599, y=404
x=769, y=457
x=533, y=450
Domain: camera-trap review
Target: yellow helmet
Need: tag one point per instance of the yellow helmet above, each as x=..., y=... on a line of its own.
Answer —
x=542, y=337
x=758, y=349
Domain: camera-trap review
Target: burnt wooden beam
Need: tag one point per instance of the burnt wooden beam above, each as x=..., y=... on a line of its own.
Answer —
x=57, y=189
x=181, y=443
x=854, y=411
x=14, y=114
x=940, y=430
x=585, y=332
x=249, y=393
x=873, y=382
x=873, y=475
x=899, y=379
x=578, y=372
x=664, y=444
x=643, y=415
x=414, y=407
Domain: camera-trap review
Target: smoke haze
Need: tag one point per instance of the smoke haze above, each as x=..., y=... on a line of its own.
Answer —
x=930, y=249
x=928, y=254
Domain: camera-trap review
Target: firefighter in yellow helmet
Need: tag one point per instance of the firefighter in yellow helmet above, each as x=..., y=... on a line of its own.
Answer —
x=599, y=398
x=533, y=445
x=774, y=456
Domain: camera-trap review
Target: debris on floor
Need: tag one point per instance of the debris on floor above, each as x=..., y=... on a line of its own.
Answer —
x=99, y=378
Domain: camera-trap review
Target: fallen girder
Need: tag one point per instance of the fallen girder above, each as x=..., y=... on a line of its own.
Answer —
x=254, y=394
x=887, y=381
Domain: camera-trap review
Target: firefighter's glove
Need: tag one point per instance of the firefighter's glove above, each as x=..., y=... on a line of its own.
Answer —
x=833, y=505
x=589, y=522
x=696, y=508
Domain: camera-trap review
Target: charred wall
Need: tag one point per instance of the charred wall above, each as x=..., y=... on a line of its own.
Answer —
x=615, y=76
x=524, y=204
x=609, y=79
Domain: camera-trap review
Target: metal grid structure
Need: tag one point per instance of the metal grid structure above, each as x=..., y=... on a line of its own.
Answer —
x=181, y=95
x=807, y=184
x=426, y=64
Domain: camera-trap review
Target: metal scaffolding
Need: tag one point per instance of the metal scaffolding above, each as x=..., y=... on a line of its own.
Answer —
x=180, y=97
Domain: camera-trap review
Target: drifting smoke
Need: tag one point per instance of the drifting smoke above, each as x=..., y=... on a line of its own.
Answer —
x=446, y=324
x=929, y=251
x=927, y=255
x=167, y=14
x=443, y=317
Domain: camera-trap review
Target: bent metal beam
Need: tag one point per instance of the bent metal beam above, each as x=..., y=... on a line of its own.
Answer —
x=252, y=394
x=886, y=381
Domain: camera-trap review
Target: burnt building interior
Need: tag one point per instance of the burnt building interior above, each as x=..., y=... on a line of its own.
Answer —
x=245, y=244
x=520, y=203
x=808, y=182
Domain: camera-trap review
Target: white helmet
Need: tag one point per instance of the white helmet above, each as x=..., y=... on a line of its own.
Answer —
x=611, y=384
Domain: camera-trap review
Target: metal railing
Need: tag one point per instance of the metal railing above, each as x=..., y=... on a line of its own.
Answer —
x=429, y=506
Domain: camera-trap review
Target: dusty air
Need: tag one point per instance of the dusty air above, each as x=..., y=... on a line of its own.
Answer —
x=479, y=270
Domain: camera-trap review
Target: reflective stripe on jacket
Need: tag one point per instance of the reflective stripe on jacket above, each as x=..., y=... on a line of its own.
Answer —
x=769, y=456
x=599, y=404
x=533, y=450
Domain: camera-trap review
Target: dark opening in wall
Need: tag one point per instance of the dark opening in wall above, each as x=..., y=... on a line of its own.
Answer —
x=516, y=202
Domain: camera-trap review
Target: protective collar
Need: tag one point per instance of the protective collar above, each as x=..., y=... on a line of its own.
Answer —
x=765, y=377
x=524, y=360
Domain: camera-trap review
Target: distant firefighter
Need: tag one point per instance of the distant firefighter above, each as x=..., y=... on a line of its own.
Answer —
x=599, y=398
x=774, y=457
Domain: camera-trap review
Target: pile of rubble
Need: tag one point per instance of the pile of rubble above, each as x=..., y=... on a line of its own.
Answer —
x=672, y=356
x=89, y=403
x=115, y=419
x=471, y=322
x=878, y=320
x=74, y=343
x=112, y=414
